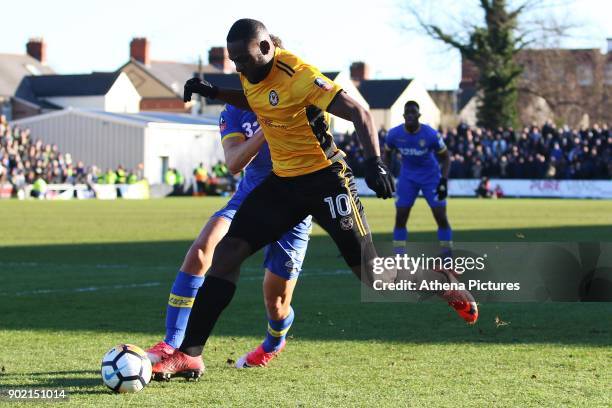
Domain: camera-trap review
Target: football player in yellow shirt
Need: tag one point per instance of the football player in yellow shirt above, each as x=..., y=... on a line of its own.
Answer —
x=309, y=175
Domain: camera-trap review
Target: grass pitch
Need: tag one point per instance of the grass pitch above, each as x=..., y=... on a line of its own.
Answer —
x=78, y=277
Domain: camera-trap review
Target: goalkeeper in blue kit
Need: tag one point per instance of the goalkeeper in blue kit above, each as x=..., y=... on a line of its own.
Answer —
x=423, y=152
x=419, y=144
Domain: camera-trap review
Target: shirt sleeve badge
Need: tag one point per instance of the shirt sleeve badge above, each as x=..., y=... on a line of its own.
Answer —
x=323, y=84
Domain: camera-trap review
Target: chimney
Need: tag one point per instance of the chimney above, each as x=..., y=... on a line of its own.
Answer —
x=139, y=50
x=609, y=40
x=37, y=49
x=359, y=71
x=218, y=57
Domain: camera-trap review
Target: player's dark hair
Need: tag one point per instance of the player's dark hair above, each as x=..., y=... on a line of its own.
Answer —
x=245, y=29
x=412, y=103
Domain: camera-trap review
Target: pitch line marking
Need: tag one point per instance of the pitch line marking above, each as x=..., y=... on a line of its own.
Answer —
x=310, y=273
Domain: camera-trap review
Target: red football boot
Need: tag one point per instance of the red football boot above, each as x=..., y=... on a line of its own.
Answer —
x=179, y=365
x=258, y=357
x=461, y=300
x=160, y=352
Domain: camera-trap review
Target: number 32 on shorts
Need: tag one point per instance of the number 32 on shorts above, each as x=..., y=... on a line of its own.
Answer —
x=341, y=206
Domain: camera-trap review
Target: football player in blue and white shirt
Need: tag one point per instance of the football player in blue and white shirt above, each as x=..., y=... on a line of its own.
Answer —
x=245, y=148
x=422, y=150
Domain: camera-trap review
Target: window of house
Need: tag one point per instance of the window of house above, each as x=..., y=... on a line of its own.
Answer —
x=530, y=73
x=557, y=72
x=584, y=74
x=608, y=74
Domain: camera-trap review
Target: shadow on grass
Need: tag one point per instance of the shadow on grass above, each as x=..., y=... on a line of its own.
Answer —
x=116, y=287
x=73, y=372
x=88, y=385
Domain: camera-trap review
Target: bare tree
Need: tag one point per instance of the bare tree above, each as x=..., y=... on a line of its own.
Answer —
x=492, y=48
x=569, y=82
x=517, y=54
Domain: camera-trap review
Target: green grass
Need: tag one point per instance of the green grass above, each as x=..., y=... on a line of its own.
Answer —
x=342, y=352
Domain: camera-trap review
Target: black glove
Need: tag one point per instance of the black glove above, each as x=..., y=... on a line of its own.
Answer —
x=379, y=178
x=442, y=189
x=196, y=85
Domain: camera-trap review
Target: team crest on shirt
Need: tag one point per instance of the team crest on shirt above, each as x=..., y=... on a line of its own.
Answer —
x=323, y=84
x=273, y=98
x=346, y=223
x=222, y=124
x=422, y=142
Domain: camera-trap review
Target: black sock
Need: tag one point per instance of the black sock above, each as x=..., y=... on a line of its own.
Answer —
x=214, y=296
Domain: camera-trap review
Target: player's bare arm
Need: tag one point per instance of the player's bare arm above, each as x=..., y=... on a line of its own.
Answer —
x=234, y=97
x=378, y=177
x=348, y=108
x=444, y=159
x=388, y=153
x=442, y=189
x=239, y=152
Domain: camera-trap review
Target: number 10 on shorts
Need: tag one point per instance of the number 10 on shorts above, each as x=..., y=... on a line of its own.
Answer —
x=341, y=206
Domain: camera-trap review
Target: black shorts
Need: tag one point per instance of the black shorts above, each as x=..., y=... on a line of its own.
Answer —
x=279, y=203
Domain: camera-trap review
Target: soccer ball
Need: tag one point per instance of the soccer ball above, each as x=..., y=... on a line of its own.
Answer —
x=126, y=368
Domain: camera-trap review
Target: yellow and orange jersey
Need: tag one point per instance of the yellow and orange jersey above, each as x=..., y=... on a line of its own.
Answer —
x=290, y=105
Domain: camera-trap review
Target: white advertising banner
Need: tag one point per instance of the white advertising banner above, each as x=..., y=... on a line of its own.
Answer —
x=105, y=191
x=136, y=191
x=523, y=188
x=537, y=188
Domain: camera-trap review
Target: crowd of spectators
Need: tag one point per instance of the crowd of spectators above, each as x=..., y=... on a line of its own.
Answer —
x=546, y=152
x=214, y=180
x=531, y=153
x=24, y=160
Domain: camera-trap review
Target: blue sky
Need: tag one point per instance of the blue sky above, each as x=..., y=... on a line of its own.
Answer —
x=94, y=35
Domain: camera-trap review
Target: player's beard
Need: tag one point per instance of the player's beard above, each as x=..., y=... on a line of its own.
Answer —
x=260, y=73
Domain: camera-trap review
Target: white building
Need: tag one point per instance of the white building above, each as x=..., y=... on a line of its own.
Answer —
x=155, y=140
x=386, y=98
x=104, y=91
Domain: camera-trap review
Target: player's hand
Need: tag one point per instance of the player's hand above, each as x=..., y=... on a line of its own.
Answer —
x=196, y=85
x=442, y=189
x=379, y=178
